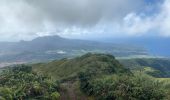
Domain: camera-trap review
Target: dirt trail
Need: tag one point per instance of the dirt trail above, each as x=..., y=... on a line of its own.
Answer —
x=69, y=92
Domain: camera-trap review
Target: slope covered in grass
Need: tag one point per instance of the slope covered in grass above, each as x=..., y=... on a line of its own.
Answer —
x=157, y=67
x=69, y=68
x=88, y=77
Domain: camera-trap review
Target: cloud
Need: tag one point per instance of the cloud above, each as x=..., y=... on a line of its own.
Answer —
x=137, y=25
x=25, y=18
x=164, y=19
x=83, y=12
x=141, y=24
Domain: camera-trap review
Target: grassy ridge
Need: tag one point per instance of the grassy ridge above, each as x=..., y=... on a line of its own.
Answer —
x=67, y=71
x=98, y=72
x=69, y=68
x=98, y=76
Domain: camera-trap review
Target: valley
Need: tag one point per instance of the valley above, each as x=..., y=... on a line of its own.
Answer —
x=55, y=47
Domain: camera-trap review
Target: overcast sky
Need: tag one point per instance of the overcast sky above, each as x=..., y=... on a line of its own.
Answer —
x=27, y=19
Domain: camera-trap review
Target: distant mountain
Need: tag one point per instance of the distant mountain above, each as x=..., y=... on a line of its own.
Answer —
x=56, y=47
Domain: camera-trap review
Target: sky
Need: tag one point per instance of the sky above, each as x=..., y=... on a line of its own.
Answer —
x=28, y=19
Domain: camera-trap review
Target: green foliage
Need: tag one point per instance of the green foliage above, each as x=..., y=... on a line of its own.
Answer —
x=122, y=87
x=67, y=69
x=166, y=84
x=160, y=65
x=101, y=76
x=55, y=96
x=19, y=82
x=5, y=93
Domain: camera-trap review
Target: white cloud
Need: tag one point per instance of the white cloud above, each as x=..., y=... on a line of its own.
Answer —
x=26, y=19
x=140, y=24
x=19, y=18
x=136, y=25
x=164, y=19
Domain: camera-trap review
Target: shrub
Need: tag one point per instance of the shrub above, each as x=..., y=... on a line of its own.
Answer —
x=55, y=96
x=19, y=82
x=123, y=87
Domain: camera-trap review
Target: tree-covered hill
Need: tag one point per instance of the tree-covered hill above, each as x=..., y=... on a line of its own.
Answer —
x=88, y=77
x=69, y=68
x=102, y=77
x=158, y=67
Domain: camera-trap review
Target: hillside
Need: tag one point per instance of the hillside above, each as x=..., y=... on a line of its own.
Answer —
x=55, y=47
x=157, y=67
x=87, y=77
x=69, y=68
x=101, y=77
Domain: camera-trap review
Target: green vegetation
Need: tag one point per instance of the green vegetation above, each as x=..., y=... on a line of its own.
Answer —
x=69, y=68
x=103, y=77
x=159, y=67
x=88, y=77
x=20, y=82
x=122, y=87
